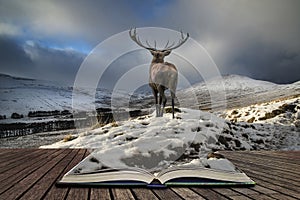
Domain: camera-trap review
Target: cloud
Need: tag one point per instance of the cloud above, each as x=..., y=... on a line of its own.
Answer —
x=252, y=38
x=35, y=61
x=255, y=38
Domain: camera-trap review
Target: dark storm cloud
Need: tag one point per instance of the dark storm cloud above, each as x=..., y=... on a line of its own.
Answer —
x=259, y=39
x=255, y=38
x=13, y=56
x=35, y=61
x=266, y=62
x=54, y=64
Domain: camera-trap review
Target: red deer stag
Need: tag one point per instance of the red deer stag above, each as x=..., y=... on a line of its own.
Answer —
x=163, y=75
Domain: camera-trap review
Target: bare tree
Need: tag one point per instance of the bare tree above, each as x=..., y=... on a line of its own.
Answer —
x=162, y=75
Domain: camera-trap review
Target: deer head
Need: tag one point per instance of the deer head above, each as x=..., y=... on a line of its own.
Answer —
x=158, y=55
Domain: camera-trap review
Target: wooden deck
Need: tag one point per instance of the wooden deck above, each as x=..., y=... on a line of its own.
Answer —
x=32, y=173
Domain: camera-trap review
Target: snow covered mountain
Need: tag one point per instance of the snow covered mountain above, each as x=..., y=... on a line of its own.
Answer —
x=22, y=95
x=240, y=91
x=238, y=131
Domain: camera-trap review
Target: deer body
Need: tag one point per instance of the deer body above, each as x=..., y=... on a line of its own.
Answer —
x=162, y=75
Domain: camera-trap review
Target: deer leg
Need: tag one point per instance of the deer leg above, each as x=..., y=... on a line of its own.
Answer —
x=154, y=91
x=162, y=99
x=164, y=104
x=173, y=109
x=159, y=105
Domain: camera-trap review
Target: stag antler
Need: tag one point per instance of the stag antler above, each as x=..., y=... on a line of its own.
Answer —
x=181, y=42
x=136, y=39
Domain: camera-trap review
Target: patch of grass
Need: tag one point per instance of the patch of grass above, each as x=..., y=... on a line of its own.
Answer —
x=69, y=137
x=251, y=120
x=114, y=124
x=169, y=110
x=98, y=125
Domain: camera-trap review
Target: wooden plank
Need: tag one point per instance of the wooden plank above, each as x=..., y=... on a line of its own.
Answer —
x=282, y=196
x=290, y=184
x=61, y=192
x=226, y=191
x=21, y=165
x=270, y=184
x=282, y=165
x=122, y=194
x=143, y=193
x=208, y=193
x=35, y=177
x=100, y=194
x=286, y=170
x=75, y=193
x=275, y=174
x=187, y=193
x=258, y=174
x=17, y=174
x=245, y=191
x=38, y=190
x=260, y=197
x=23, y=185
x=271, y=156
x=264, y=190
x=18, y=157
x=8, y=153
x=3, y=150
x=166, y=193
x=78, y=193
x=240, y=197
x=289, y=156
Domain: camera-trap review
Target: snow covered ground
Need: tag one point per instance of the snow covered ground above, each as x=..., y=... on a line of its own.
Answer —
x=22, y=95
x=149, y=141
x=192, y=134
x=240, y=91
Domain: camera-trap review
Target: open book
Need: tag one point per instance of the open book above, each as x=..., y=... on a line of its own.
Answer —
x=173, y=176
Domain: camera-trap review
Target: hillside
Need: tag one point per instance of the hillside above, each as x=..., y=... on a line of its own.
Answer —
x=22, y=95
x=150, y=141
x=240, y=91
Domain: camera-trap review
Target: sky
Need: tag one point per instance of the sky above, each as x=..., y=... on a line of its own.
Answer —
x=51, y=39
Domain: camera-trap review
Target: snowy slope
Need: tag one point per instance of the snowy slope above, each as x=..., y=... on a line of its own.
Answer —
x=284, y=112
x=155, y=141
x=240, y=91
x=22, y=95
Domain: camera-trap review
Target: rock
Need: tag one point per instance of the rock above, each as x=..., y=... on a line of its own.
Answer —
x=297, y=123
x=237, y=143
x=251, y=120
x=288, y=108
x=223, y=141
x=272, y=114
x=234, y=112
x=211, y=140
x=216, y=155
x=297, y=115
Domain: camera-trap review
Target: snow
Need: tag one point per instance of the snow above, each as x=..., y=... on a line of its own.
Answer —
x=257, y=112
x=150, y=142
x=240, y=91
x=22, y=95
x=156, y=142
